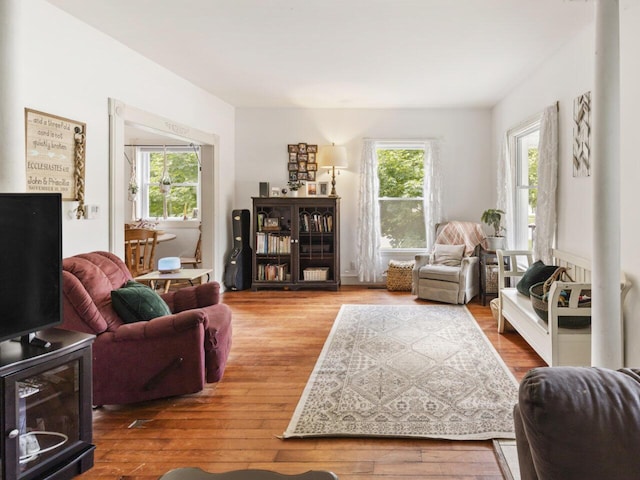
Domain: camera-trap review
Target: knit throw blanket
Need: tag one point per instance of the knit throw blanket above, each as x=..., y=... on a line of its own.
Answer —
x=469, y=234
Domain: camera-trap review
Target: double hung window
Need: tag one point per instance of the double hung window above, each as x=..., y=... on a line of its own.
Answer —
x=178, y=167
x=401, y=195
x=524, y=148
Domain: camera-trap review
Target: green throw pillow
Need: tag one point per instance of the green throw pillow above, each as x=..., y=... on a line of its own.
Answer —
x=536, y=273
x=136, y=302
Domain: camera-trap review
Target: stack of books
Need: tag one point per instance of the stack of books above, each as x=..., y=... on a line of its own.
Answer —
x=272, y=272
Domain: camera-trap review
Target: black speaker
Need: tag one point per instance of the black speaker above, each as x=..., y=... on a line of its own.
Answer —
x=237, y=273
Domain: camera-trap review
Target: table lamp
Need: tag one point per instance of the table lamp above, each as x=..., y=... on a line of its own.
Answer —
x=332, y=156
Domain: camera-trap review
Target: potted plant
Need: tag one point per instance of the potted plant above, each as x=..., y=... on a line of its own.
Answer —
x=493, y=218
x=132, y=190
x=294, y=186
x=165, y=185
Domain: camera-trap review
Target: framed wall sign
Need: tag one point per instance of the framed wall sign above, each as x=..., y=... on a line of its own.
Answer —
x=55, y=156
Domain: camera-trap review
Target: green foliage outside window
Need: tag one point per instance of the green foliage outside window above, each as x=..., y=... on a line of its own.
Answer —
x=533, y=178
x=401, y=176
x=182, y=168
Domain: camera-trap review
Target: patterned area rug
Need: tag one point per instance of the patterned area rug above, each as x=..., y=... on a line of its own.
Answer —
x=407, y=371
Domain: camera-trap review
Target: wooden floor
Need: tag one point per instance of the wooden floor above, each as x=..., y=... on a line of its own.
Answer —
x=235, y=424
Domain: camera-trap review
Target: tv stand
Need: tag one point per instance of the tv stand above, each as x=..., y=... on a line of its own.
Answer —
x=34, y=341
x=45, y=406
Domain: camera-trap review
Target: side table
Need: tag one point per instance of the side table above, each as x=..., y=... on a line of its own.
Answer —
x=488, y=275
x=189, y=274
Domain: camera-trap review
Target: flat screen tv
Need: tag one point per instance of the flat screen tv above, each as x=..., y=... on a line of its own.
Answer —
x=30, y=264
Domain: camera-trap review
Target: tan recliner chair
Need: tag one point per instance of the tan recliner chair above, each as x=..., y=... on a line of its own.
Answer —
x=450, y=271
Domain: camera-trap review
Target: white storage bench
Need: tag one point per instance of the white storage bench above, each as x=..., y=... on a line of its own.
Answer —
x=557, y=346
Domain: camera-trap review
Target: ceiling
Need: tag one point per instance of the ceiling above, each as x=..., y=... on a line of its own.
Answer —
x=343, y=53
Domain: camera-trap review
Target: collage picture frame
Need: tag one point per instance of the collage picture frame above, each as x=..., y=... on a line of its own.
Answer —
x=302, y=164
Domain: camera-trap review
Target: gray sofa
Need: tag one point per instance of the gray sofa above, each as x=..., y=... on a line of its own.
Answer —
x=579, y=423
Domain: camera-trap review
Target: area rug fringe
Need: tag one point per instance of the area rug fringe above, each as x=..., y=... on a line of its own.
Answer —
x=407, y=371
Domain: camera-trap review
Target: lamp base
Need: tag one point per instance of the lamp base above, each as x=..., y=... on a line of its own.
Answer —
x=333, y=182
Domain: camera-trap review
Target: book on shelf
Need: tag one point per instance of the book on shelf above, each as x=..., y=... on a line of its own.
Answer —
x=272, y=244
x=316, y=222
x=272, y=271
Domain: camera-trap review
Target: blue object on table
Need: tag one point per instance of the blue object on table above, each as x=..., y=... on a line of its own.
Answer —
x=169, y=264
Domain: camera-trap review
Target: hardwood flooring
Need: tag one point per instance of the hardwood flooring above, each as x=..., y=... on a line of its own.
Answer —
x=235, y=424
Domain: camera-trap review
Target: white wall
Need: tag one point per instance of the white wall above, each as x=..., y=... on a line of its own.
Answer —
x=564, y=76
x=630, y=173
x=561, y=78
x=262, y=135
x=69, y=69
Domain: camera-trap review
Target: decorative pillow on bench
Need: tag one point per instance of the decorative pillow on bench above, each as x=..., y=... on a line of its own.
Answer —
x=536, y=273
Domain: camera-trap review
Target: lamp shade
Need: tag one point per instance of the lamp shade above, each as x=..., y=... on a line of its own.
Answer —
x=332, y=156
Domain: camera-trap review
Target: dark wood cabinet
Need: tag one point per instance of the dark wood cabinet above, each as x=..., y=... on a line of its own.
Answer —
x=296, y=243
x=46, y=407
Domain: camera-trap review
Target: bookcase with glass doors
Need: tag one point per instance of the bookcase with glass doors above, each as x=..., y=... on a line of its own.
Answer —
x=296, y=243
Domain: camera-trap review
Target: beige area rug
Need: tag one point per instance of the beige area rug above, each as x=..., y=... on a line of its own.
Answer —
x=418, y=371
x=507, y=455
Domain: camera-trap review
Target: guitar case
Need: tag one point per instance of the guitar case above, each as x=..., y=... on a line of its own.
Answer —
x=237, y=272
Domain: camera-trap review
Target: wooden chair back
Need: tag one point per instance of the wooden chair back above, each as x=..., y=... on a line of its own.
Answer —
x=196, y=260
x=140, y=250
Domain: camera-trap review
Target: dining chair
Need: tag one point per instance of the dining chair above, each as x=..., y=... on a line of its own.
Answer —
x=140, y=250
x=196, y=260
x=191, y=473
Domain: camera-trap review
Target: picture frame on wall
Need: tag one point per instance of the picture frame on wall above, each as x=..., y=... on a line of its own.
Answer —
x=55, y=155
x=312, y=189
x=302, y=162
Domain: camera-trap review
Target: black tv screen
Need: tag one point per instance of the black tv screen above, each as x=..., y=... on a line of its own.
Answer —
x=30, y=263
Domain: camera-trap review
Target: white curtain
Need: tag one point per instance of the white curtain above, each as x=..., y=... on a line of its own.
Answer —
x=547, y=185
x=506, y=197
x=368, y=226
x=432, y=190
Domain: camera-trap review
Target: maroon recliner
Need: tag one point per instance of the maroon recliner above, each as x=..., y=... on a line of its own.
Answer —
x=132, y=362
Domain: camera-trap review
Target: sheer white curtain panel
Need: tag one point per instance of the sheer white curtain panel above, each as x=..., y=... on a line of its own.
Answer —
x=432, y=196
x=368, y=225
x=547, y=185
x=506, y=194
